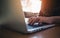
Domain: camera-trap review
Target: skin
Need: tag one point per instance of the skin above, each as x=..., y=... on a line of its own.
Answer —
x=41, y=19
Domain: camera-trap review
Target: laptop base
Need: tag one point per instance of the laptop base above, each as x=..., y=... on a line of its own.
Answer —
x=31, y=29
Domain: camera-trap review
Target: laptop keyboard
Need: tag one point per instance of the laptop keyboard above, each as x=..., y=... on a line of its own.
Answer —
x=36, y=25
x=29, y=27
x=33, y=26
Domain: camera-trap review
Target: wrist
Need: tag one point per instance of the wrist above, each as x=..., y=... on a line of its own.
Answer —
x=56, y=19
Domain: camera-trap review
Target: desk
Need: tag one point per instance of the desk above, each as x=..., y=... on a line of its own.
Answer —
x=49, y=33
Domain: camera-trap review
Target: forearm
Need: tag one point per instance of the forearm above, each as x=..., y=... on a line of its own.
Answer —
x=52, y=19
x=27, y=14
x=30, y=14
x=56, y=19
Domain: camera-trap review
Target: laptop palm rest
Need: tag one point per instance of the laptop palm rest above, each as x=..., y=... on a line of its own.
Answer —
x=37, y=27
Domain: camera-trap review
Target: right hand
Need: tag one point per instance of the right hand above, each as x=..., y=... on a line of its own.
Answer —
x=33, y=20
x=40, y=19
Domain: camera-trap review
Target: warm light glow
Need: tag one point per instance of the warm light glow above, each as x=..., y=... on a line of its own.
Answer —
x=37, y=37
x=31, y=5
x=34, y=37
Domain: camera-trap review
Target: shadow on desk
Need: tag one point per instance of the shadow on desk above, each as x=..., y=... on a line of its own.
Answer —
x=53, y=32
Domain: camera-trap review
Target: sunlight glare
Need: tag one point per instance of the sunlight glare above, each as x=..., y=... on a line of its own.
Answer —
x=32, y=6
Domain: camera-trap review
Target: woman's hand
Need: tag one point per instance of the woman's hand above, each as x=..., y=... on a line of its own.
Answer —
x=41, y=19
x=49, y=20
x=33, y=20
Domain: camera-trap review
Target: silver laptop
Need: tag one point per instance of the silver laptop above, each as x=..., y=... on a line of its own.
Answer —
x=23, y=26
x=19, y=23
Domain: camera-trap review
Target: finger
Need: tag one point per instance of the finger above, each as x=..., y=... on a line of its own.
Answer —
x=40, y=21
x=33, y=21
x=30, y=20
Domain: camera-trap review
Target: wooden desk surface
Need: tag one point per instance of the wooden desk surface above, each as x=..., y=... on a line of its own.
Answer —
x=49, y=33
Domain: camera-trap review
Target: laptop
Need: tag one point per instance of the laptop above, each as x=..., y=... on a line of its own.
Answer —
x=19, y=23
x=36, y=27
